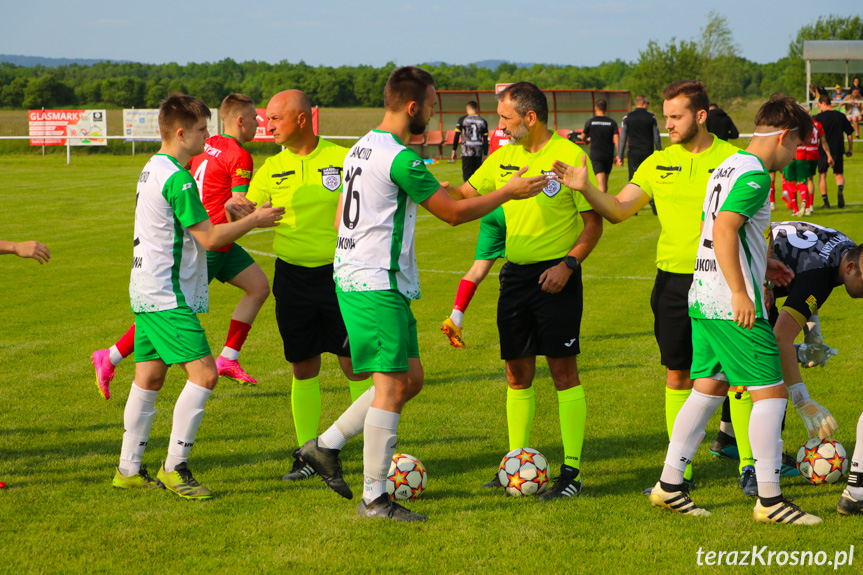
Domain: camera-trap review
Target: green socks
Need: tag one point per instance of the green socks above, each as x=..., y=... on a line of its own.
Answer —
x=520, y=407
x=359, y=387
x=306, y=405
x=674, y=400
x=740, y=412
x=573, y=416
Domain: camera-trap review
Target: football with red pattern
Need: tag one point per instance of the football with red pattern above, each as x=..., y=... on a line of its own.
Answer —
x=822, y=461
x=407, y=477
x=523, y=472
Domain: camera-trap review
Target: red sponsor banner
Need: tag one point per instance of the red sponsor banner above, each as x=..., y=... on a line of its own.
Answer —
x=51, y=127
x=261, y=134
x=497, y=139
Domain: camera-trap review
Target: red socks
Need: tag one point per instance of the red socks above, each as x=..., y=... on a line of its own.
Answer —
x=126, y=344
x=465, y=292
x=237, y=334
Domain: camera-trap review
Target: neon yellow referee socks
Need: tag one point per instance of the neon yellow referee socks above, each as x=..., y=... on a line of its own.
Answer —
x=741, y=409
x=306, y=406
x=359, y=387
x=573, y=416
x=520, y=407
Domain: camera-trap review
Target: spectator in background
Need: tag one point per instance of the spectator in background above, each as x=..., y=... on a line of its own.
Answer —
x=601, y=132
x=640, y=131
x=852, y=109
x=838, y=95
x=473, y=132
x=815, y=92
x=835, y=124
x=720, y=124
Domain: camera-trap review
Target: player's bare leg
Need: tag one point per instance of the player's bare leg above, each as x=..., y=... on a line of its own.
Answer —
x=822, y=186
x=254, y=283
x=840, y=188
x=602, y=182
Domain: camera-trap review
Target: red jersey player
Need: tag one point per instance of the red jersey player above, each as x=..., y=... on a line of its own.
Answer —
x=223, y=171
x=801, y=170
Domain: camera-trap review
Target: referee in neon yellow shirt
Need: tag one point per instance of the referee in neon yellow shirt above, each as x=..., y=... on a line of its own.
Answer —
x=306, y=179
x=540, y=306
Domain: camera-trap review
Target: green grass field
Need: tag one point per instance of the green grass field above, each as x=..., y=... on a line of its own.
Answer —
x=60, y=441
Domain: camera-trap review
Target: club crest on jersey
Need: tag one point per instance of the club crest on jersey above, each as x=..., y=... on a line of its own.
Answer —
x=552, y=187
x=331, y=178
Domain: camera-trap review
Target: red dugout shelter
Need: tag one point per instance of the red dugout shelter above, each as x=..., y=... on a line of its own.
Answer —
x=567, y=109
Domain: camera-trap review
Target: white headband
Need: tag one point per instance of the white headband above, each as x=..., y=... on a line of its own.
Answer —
x=776, y=133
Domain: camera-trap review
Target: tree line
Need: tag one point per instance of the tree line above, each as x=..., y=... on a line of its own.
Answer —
x=713, y=57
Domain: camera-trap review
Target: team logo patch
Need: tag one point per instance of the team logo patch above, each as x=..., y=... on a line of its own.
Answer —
x=812, y=302
x=331, y=178
x=552, y=187
x=241, y=173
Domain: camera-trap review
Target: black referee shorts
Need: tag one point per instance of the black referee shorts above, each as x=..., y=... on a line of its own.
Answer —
x=838, y=162
x=307, y=312
x=602, y=165
x=671, y=324
x=633, y=161
x=532, y=322
x=469, y=165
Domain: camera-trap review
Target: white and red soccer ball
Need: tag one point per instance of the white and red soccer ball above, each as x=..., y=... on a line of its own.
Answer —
x=822, y=461
x=523, y=472
x=407, y=477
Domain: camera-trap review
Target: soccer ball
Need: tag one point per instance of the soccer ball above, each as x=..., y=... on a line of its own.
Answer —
x=822, y=461
x=407, y=477
x=523, y=472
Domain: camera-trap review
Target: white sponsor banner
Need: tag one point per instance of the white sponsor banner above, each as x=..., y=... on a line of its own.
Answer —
x=142, y=125
x=53, y=127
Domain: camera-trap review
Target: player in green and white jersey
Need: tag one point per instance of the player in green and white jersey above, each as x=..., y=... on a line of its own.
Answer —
x=675, y=178
x=377, y=278
x=733, y=344
x=168, y=287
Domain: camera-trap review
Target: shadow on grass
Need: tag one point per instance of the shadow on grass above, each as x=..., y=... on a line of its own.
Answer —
x=620, y=335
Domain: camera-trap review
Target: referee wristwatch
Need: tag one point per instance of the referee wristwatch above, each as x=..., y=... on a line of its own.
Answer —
x=571, y=262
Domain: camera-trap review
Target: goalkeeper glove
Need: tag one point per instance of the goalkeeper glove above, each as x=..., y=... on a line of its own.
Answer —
x=813, y=331
x=810, y=355
x=816, y=418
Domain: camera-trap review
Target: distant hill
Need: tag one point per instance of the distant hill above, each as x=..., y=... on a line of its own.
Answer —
x=493, y=64
x=30, y=61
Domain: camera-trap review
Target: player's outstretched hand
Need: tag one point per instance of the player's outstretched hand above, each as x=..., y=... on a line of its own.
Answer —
x=744, y=310
x=521, y=188
x=238, y=207
x=268, y=216
x=778, y=273
x=35, y=250
x=573, y=177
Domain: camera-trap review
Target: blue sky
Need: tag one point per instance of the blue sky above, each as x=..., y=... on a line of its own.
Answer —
x=337, y=32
